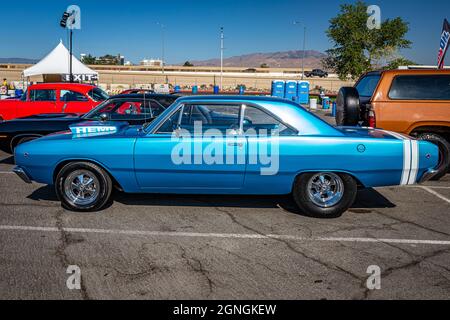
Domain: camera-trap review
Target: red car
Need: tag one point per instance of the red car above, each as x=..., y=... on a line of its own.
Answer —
x=53, y=98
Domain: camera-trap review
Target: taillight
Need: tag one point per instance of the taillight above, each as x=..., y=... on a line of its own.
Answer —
x=372, y=119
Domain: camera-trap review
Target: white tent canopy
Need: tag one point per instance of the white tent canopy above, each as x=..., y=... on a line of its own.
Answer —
x=57, y=62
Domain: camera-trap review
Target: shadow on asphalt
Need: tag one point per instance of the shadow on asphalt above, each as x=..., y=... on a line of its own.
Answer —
x=367, y=199
x=9, y=160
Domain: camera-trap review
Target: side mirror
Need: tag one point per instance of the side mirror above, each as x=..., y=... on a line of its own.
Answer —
x=104, y=117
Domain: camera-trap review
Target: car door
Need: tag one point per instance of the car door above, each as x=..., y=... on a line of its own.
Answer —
x=274, y=152
x=40, y=101
x=198, y=148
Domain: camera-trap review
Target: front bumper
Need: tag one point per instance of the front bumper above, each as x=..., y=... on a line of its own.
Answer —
x=428, y=175
x=22, y=174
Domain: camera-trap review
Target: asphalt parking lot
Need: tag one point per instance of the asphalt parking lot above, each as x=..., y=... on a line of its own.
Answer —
x=222, y=247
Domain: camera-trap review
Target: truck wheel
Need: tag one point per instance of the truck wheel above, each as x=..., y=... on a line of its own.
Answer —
x=324, y=194
x=444, y=153
x=83, y=187
x=347, y=107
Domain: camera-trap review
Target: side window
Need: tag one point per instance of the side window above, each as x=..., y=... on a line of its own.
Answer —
x=129, y=108
x=217, y=117
x=204, y=117
x=421, y=87
x=258, y=122
x=42, y=95
x=171, y=124
x=72, y=96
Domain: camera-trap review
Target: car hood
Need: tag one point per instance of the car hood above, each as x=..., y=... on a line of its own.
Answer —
x=96, y=130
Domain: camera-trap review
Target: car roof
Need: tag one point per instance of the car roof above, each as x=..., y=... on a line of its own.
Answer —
x=236, y=98
x=418, y=71
x=79, y=86
x=146, y=95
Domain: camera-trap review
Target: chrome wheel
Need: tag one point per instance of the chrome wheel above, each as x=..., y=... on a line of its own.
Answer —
x=325, y=189
x=82, y=187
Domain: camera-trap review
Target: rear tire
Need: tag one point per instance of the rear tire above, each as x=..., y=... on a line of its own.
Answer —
x=315, y=202
x=83, y=187
x=444, y=153
x=347, y=107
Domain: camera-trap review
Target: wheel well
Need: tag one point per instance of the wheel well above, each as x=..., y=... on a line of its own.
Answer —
x=441, y=130
x=61, y=165
x=358, y=182
x=17, y=138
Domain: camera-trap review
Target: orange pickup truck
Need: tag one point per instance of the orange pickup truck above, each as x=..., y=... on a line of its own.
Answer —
x=412, y=102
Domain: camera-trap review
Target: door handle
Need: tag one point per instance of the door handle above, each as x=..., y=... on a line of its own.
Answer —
x=235, y=144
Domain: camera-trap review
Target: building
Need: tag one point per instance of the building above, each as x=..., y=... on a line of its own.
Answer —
x=151, y=63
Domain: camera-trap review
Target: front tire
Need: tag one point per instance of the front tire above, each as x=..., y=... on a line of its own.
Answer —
x=83, y=187
x=444, y=153
x=325, y=194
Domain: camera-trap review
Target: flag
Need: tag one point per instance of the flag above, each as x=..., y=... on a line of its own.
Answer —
x=443, y=46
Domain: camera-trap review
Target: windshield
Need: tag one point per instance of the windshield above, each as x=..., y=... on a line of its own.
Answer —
x=124, y=109
x=367, y=85
x=98, y=94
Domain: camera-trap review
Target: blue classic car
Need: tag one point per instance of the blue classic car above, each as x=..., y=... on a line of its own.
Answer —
x=225, y=145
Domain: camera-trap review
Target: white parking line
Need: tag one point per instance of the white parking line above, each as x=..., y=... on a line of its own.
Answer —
x=6, y=172
x=223, y=235
x=440, y=196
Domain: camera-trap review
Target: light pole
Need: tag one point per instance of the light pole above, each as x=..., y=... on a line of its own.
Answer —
x=162, y=45
x=221, y=57
x=304, y=47
x=63, y=24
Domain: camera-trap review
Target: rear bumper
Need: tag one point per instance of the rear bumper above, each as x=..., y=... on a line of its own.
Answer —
x=428, y=175
x=22, y=174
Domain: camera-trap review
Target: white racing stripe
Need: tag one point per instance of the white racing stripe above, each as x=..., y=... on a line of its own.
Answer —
x=223, y=235
x=414, y=162
x=406, y=162
x=410, y=158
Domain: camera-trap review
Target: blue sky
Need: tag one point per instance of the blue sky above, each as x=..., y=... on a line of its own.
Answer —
x=192, y=26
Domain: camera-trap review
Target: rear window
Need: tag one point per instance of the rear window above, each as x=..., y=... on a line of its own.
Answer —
x=421, y=87
x=98, y=94
x=367, y=85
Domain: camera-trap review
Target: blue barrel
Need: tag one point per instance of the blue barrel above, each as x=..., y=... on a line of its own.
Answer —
x=291, y=90
x=333, y=111
x=18, y=93
x=216, y=89
x=194, y=89
x=177, y=89
x=303, y=92
x=326, y=103
x=278, y=88
x=241, y=90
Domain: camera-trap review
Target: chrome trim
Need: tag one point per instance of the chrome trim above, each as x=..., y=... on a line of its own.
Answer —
x=22, y=174
x=428, y=175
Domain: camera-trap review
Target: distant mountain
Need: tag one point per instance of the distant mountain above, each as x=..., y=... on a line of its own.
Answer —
x=18, y=60
x=282, y=59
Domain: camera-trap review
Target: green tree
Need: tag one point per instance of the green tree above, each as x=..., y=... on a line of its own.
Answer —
x=358, y=49
x=188, y=64
x=394, y=64
x=89, y=59
x=264, y=66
